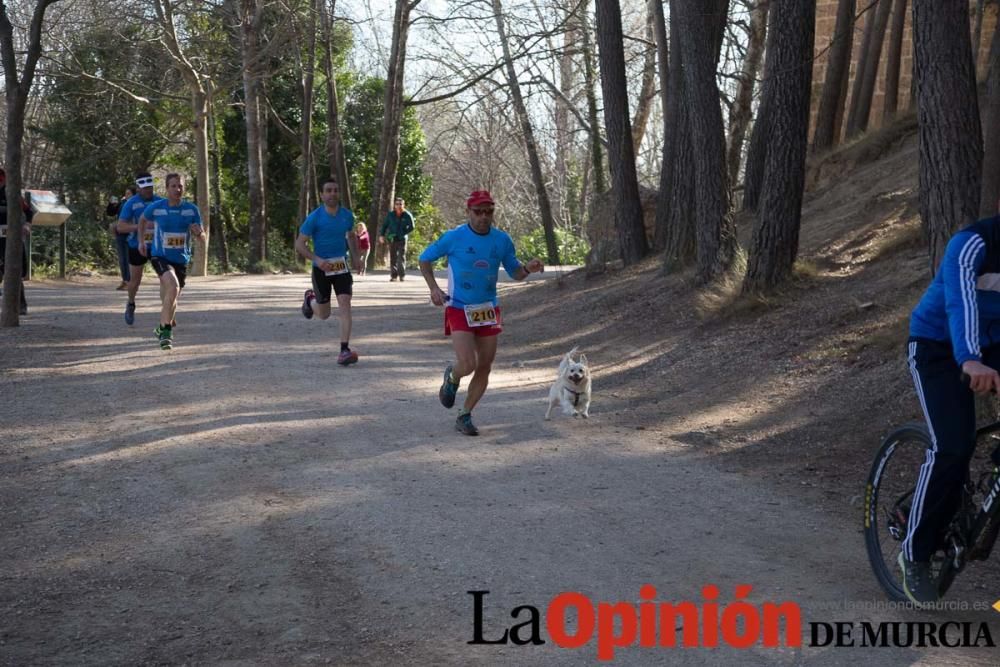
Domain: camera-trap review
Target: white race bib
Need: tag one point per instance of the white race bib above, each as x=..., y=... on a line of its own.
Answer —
x=175, y=240
x=481, y=314
x=147, y=236
x=339, y=265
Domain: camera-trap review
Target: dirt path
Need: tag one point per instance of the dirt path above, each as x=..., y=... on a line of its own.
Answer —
x=244, y=500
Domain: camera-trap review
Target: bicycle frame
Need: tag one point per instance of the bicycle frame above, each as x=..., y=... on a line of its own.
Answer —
x=983, y=533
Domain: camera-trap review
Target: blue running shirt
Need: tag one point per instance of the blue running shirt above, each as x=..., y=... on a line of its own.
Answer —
x=474, y=262
x=131, y=211
x=172, y=240
x=328, y=232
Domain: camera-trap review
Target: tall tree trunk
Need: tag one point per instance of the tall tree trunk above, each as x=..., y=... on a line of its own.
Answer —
x=252, y=109
x=776, y=232
x=199, y=104
x=218, y=224
x=893, y=59
x=590, y=83
x=868, y=71
x=16, y=95
x=541, y=192
x=625, y=184
x=977, y=33
x=308, y=187
x=739, y=116
x=334, y=139
x=701, y=34
x=950, y=143
x=838, y=66
x=677, y=219
x=561, y=117
x=988, y=201
x=753, y=174
x=668, y=107
x=648, y=87
x=384, y=182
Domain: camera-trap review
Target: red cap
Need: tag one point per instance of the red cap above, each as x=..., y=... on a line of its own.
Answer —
x=479, y=197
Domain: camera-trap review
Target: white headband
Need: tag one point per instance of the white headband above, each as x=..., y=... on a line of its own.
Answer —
x=144, y=181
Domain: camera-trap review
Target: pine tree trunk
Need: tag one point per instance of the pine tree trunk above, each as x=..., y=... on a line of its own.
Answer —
x=676, y=217
x=838, y=65
x=860, y=67
x=776, y=232
x=590, y=83
x=384, y=184
x=621, y=158
x=16, y=97
x=668, y=107
x=334, y=140
x=647, y=90
x=528, y=133
x=950, y=138
x=701, y=32
x=218, y=224
x=753, y=172
x=255, y=159
x=307, y=187
x=870, y=74
x=988, y=201
x=739, y=116
x=199, y=256
x=893, y=59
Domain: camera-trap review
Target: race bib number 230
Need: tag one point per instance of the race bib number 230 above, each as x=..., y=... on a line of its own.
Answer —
x=338, y=264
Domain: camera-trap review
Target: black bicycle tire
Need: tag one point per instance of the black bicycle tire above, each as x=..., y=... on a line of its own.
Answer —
x=872, y=521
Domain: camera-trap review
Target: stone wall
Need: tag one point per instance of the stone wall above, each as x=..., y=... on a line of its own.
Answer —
x=826, y=18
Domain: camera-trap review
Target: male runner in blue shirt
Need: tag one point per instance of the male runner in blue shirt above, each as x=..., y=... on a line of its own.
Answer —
x=331, y=228
x=128, y=223
x=475, y=252
x=176, y=223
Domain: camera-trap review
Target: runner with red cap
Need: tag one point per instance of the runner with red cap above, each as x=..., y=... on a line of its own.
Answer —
x=475, y=252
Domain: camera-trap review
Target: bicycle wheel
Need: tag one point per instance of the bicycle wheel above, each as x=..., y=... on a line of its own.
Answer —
x=888, y=496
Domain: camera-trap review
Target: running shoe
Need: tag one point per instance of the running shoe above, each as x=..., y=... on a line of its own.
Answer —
x=448, y=390
x=166, y=335
x=464, y=424
x=307, y=310
x=347, y=357
x=130, y=314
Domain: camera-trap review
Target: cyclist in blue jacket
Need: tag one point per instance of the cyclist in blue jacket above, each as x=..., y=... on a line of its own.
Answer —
x=955, y=329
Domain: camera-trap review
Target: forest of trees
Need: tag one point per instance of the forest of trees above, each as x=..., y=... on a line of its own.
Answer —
x=554, y=105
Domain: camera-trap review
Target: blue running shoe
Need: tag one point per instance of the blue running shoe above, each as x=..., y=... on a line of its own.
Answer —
x=448, y=390
x=130, y=314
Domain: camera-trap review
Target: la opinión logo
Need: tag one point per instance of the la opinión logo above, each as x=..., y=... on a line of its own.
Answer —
x=707, y=624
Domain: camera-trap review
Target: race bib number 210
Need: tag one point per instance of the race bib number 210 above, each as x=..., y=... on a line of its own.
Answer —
x=481, y=314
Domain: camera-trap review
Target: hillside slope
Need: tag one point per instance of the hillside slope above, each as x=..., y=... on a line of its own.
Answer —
x=798, y=389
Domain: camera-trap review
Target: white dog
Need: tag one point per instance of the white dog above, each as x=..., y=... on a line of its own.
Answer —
x=572, y=387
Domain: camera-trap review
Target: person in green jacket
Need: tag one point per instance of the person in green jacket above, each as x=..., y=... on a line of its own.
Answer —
x=397, y=226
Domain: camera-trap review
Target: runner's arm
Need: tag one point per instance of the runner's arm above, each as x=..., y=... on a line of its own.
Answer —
x=302, y=247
